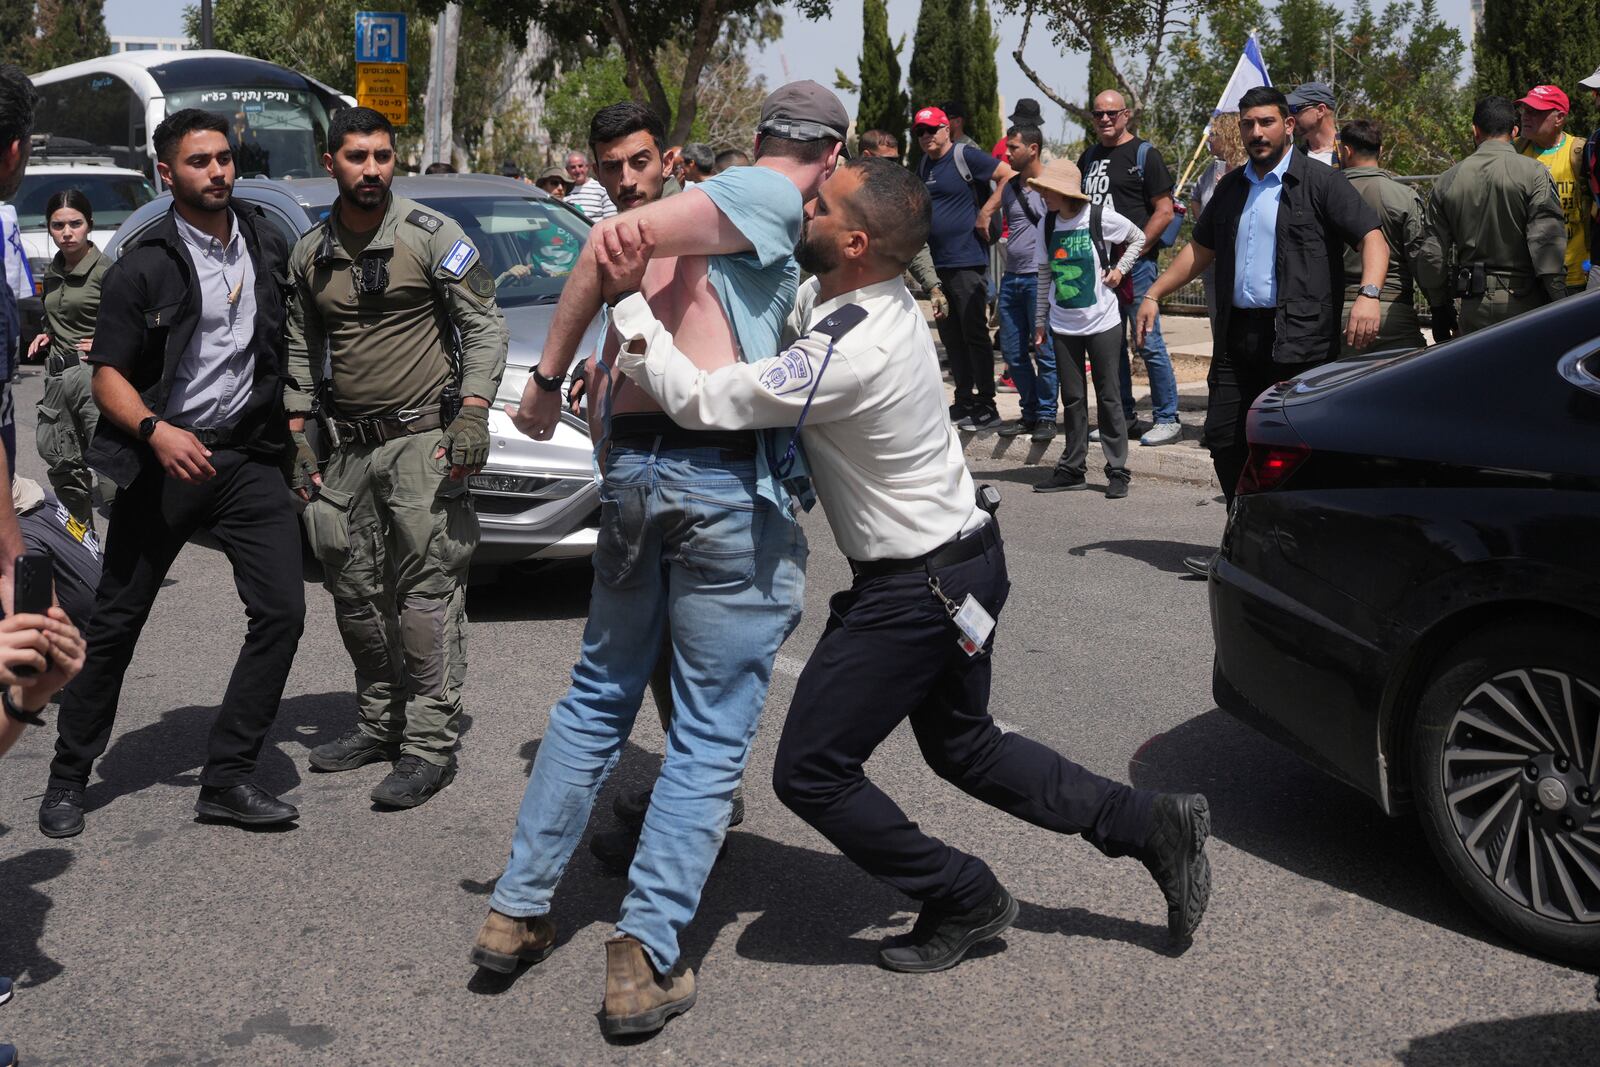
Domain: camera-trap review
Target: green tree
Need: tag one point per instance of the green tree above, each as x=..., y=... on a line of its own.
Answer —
x=69, y=30
x=16, y=33
x=1102, y=72
x=1539, y=42
x=883, y=104
x=936, y=71
x=981, y=90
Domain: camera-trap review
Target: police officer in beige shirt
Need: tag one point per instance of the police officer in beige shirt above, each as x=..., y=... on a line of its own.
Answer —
x=912, y=637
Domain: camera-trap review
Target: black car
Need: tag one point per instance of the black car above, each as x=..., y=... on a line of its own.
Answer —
x=1408, y=595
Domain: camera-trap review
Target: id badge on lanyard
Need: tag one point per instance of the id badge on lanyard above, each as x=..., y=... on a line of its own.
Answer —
x=971, y=618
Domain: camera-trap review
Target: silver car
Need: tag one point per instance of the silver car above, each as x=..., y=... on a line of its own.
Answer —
x=537, y=500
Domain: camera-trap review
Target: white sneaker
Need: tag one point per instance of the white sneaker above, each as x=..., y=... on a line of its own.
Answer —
x=1163, y=433
x=1094, y=437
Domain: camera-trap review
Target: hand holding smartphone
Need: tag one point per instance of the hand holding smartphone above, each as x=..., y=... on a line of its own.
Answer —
x=33, y=583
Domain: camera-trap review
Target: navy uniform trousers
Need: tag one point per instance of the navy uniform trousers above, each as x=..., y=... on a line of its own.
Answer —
x=889, y=653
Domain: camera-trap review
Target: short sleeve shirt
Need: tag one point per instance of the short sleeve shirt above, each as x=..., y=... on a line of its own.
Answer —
x=953, y=239
x=1115, y=173
x=1080, y=304
x=1022, y=232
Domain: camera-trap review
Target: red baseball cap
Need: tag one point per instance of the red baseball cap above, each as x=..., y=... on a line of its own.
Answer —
x=1546, y=98
x=930, y=116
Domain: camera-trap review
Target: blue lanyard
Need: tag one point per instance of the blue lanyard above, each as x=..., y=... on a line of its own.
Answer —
x=783, y=466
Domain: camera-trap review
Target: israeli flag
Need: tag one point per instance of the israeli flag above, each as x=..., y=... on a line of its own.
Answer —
x=1249, y=73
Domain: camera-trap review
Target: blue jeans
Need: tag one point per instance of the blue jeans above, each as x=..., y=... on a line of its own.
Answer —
x=1157, y=364
x=1019, y=299
x=684, y=538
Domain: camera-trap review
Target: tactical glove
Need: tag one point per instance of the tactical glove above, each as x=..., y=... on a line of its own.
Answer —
x=466, y=440
x=303, y=465
x=1445, y=323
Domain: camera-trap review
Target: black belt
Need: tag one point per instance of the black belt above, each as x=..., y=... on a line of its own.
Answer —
x=218, y=437
x=59, y=364
x=1255, y=313
x=655, y=431
x=376, y=429
x=962, y=548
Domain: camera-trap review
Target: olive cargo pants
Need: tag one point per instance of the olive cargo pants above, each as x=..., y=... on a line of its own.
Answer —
x=67, y=418
x=394, y=536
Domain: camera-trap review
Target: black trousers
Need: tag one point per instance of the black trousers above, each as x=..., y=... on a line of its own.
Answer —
x=1241, y=371
x=247, y=507
x=889, y=653
x=1104, y=352
x=965, y=333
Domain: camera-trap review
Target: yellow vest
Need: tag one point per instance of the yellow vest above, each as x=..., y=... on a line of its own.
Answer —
x=1570, y=190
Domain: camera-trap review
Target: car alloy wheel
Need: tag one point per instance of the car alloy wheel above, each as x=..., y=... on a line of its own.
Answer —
x=1521, y=770
x=1506, y=770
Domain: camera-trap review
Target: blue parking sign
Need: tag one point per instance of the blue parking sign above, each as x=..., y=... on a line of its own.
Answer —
x=380, y=37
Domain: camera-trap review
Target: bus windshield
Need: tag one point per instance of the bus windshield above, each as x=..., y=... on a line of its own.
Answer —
x=275, y=133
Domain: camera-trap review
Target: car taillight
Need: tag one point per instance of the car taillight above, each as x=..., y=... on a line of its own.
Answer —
x=1269, y=466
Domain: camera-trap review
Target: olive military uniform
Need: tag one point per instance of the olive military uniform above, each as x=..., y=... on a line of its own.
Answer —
x=1415, y=260
x=1496, y=214
x=67, y=414
x=393, y=532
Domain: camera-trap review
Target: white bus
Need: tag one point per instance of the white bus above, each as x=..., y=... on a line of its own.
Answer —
x=279, y=117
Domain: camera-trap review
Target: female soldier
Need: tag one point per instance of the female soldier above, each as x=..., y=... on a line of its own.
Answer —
x=67, y=414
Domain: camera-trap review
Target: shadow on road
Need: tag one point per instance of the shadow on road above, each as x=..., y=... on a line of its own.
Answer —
x=1163, y=555
x=25, y=909
x=1560, y=1037
x=1271, y=804
x=171, y=750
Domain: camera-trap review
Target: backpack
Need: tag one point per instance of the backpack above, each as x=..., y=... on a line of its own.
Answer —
x=1097, y=237
x=980, y=190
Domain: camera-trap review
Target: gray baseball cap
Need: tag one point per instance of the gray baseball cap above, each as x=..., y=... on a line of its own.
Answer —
x=804, y=111
x=1308, y=94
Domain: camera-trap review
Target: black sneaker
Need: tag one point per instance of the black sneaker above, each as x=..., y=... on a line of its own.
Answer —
x=61, y=812
x=1044, y=432
x=629, y=808
x=940, y=938
x=981, y=419
x=1116, y=487
x=1017, y=428
x=1199, y=566
x=1060, y=483
x=412, y=782
x=354, y=749
x=1175, y=855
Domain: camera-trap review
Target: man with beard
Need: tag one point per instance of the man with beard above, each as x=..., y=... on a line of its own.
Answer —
x=911, y=638
x=697, y=532
x=1277, y=229
x=187, y=358
x=404, y=307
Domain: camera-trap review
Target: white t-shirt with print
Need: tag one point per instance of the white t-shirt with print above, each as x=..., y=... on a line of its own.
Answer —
x=1080, y=303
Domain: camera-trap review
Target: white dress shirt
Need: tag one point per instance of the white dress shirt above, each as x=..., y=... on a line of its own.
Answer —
x=885, y=461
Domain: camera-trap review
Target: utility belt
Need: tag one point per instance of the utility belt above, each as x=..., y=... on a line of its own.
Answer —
x=655, y=431
x=376, y=429
x=1475, y=279
x=59, y=364
x=963, y=548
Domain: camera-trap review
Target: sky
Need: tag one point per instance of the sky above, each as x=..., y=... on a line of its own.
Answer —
x=814, y=49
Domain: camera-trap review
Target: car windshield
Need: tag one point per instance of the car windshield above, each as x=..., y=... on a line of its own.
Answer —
x=275, y=133
x=113, y=196
x=529, y=246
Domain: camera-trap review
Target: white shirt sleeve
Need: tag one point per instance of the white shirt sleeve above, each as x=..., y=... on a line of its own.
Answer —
x=768, y=393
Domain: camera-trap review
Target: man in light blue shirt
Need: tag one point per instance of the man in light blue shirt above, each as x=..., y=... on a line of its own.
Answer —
x=1255, y=247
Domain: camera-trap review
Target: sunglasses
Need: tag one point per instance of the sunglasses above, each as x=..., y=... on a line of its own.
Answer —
x=925, y=131
x=1108, y=114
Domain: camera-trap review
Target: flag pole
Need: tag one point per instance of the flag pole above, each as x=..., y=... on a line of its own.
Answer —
x=1206, y=132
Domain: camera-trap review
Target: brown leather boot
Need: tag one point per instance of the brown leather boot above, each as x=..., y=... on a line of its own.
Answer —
x=638, y=1002
x=504, y=942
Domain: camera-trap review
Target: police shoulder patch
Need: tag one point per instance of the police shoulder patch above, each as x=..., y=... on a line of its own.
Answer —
x=428, y=222
x=788, y=372
x=458, y=260
x=479, y=282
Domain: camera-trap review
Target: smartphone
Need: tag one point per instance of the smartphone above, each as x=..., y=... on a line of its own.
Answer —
x=33, y=587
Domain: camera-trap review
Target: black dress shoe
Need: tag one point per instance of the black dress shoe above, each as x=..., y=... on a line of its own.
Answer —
x=1199, y=566
x=61, y=812
x=413, y=782
x=245, y=803
x=941, y=938
x=1175, y=855
x=1056, y=482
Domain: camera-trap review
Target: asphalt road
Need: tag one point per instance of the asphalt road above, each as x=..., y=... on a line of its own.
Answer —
x=1332, y=938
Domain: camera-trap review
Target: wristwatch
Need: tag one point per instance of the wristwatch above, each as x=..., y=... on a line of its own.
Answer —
x=148, y=427
x=549, y=385
x=1369, y=290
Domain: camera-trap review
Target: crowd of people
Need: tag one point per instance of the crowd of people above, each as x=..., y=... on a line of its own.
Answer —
x=725, y=397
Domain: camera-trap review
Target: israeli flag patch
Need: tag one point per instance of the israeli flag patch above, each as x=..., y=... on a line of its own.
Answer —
x=458, y=260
